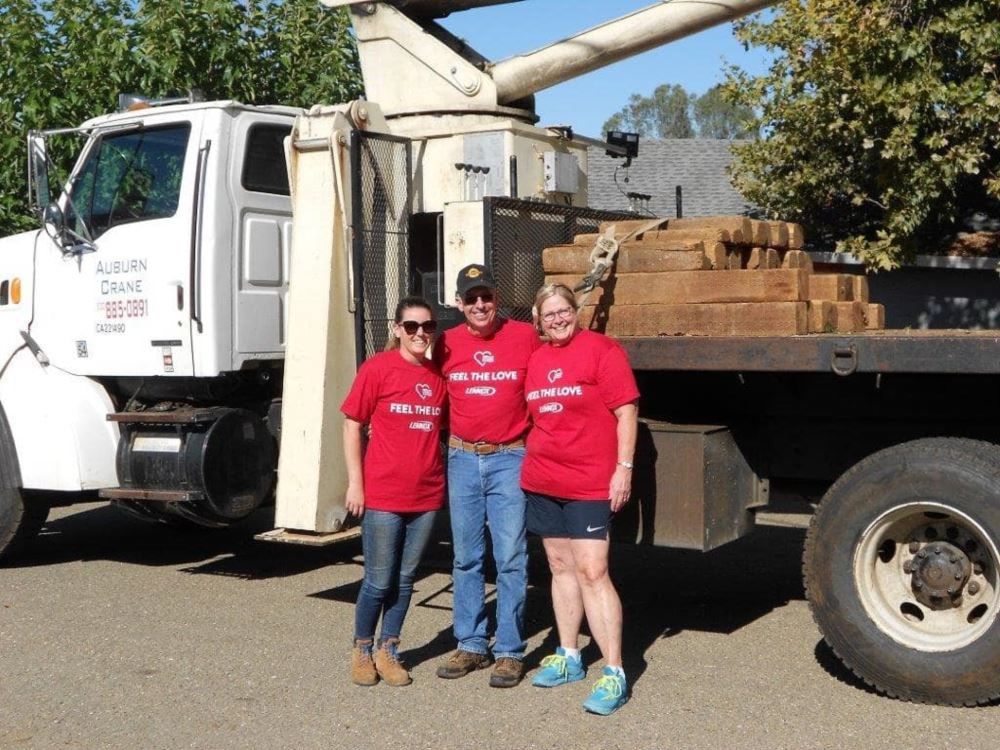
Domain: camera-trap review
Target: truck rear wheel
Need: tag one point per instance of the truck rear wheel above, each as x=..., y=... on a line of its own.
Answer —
x=19, y=521
x=901, y=570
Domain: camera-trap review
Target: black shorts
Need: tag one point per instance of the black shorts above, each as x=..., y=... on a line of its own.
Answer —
x=558, y=518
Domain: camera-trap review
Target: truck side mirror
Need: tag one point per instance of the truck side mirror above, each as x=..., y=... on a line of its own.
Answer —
x=39, y=191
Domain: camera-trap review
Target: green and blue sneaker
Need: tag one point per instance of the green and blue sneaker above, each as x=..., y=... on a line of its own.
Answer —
x=559, y=669
x=609, y=693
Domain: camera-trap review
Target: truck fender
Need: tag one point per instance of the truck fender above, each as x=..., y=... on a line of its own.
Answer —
x=58, y=421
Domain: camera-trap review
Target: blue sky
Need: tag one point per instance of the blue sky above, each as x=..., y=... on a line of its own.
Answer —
x=585, y=103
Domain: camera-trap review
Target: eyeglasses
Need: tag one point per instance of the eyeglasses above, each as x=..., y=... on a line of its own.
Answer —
x=412, y=326
x=471, y=297
x=565, y=313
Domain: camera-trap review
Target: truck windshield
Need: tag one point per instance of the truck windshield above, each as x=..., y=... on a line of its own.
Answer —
x=131, y=176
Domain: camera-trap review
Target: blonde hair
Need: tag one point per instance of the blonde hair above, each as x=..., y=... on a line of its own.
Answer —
x=546, y=292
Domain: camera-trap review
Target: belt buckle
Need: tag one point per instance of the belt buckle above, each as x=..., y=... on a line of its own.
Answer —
x=482, y=448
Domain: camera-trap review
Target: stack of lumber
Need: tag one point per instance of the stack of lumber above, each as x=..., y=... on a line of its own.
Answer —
x=713, y=276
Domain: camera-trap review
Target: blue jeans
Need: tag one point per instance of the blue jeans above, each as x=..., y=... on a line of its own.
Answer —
x=392, y=544
x=481, y=490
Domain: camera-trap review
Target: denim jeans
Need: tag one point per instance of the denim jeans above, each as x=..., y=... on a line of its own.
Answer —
x=392, y=544
x=487, y=490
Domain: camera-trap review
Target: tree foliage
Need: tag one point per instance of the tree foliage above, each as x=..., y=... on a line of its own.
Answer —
x=63, y=61
x=882, y=120
x=673, y=112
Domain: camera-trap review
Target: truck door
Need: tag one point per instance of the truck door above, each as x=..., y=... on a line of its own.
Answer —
x=264, y=237
x=123, y=308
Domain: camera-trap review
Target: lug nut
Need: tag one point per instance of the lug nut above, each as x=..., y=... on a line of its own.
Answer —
x=908, y=566
x=952, y=591
x=953, y=559
x=958, y=576
x=914, y=546
x=938, y=550
x=973, y=587
x=918, y=584
x=922, y=554
x=977, y=568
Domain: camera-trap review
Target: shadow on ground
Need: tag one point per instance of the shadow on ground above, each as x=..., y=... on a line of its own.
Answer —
x=100, y=532
x=664, y=592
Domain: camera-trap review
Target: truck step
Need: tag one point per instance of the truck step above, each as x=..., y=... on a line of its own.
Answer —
x=178, y=416
x=156, y=496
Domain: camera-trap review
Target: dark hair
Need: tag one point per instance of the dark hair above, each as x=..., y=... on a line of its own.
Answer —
x=407, y=303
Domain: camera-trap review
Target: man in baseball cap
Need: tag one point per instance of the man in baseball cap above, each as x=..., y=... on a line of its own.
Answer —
x=484, y=360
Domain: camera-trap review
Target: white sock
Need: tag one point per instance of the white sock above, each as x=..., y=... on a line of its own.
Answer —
x=617, y=670
x=572, y=653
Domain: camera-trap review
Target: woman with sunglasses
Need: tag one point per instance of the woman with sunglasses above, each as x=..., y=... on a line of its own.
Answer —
x=577, y=474
x=398, y=488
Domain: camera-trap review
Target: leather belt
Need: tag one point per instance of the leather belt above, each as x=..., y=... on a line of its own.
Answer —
x=483, y=449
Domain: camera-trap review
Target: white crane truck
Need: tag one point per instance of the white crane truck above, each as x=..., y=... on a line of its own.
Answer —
x=150, y=354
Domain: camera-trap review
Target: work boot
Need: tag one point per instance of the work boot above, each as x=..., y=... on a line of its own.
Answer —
x=389, y=667
x=461, y=663
x=362, y=667
x=507, y=673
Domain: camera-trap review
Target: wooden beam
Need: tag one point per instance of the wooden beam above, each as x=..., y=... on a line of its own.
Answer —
x=836, y=287
x=740, y=319
x=696, y=287
x=635, y=257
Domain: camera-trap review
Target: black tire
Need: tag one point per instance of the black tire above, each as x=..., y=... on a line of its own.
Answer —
x=870, y=590
x=19, y=521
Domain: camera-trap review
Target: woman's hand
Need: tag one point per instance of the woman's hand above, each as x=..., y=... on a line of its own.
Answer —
x=620, y=488
x=354, y=501
x=621, y=481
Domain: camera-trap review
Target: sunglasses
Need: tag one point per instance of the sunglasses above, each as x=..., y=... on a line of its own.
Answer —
x=486, y=297
x=412, y=326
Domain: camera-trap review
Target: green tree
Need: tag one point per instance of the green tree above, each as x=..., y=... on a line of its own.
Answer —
x=882, y=119
x=672, y=112
x=665, y=114
x=717, y=117
x=63, y=61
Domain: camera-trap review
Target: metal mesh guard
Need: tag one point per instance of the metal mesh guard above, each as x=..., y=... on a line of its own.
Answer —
x=517, y=231
x=382, y=205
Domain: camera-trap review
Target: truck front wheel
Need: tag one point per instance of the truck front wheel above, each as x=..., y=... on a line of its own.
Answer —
x=901, y=570
x=19, y=521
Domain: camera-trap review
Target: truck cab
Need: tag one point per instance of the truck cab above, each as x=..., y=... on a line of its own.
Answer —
x=158, y=279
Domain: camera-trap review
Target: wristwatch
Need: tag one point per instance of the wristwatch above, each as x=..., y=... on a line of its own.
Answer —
x=626, y=464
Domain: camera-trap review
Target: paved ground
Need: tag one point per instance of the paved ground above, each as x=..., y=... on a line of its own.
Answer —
x=119, y=634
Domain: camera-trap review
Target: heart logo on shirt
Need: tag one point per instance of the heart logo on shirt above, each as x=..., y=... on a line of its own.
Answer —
x=483, y=358
x=555, y=374
x=423, y=390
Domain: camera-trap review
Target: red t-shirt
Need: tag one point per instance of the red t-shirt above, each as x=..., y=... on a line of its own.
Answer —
x=571, y=391
x=486, y=380
x=404, y=404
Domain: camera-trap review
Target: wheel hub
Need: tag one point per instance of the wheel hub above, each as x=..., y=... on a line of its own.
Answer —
x=939, y=573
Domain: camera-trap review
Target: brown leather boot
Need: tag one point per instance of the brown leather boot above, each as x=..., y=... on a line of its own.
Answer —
x=362, y=667
x=389, y=667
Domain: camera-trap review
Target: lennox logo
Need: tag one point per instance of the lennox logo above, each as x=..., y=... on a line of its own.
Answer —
x=423, y=390
x=422, y=426
x=555, y=374
x=480, y=390
x=484, y=358
x=553, y=407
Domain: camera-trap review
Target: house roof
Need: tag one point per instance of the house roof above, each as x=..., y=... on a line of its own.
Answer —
x=698, y=165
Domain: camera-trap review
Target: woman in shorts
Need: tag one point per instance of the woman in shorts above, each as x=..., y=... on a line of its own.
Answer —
x=398, y=488
x=577, y=474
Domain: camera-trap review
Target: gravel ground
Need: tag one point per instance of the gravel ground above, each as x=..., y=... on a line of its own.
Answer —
x=119, y=634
